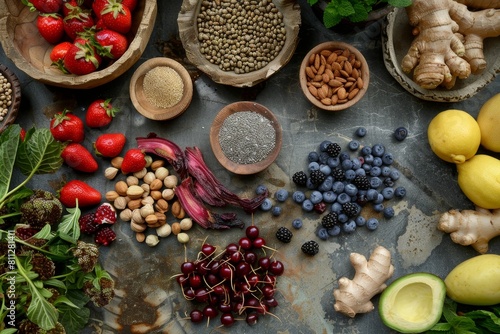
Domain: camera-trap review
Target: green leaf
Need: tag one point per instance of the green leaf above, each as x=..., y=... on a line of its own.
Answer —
x=44, y=233
x=69, y=229
x=64, y=300
x=400, y=3
x=360, y=13
x=9, y=143
x=41, y=312
x=312, y=2
x=55, y=283
x=344, y=8
x=74, y=319
x=8, y=331
x=39, y=153
x=441, y=327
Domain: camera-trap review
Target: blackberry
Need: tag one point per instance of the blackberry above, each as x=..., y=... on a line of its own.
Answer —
x=338, y=174
x=350, y=209
x=299, y=178
x=310, y=247
x=329, y=220
x=284, y=235
x=333, y=149
x=361, y=182
x=317, y=177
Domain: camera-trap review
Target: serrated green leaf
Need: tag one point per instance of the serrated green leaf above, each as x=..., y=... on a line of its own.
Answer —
x=360, y=13
x=39, y=153
x=69, y=228
x=331, y=17
x=9, y=143
x=344, y=8
x=75, y=319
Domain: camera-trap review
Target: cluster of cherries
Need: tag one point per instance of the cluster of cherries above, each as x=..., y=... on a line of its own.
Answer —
x=239, y=282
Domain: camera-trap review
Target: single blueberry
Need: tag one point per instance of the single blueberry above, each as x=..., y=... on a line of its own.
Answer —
x=372, y=224
x=344, y=156
x=360, y=171
x=316, y=197
x=326, y=185
x=388, y=158
x=261, y=189
x=338, y=187
x=336, y=207
x=349, y=175
x=343, y=198
x=298, y=196
x=307, y=205
x=368, y=159
x=310, y=185
x=281, y=195
x=353, y=145
x=350, y=189
x=346, y=164
x=343, y=217
x=385, y=171
x=360, y=221
x=349, y=227
x=313, y=156
x=378, y=150
x=387, y=192
x=266, y=205
x=333, y=162
x=322, y=233
x=356, y=163
x=276, y=211
x=375, y=182
x=400, y=133
x=323, y=145
x=371, y=194
x=377, y=161
x=334, y=231
x=388, y=182
x=379, y=199
x=323, y=158
x=378, y=207
x=366, y=150
x=400, y=192
x=329, y=196
x=297, y=223
x=325, y=169
x=360, y=132
x=366, y=167
x=394, y=174
x=388, y=212
x=313, y=165
x=375, y=171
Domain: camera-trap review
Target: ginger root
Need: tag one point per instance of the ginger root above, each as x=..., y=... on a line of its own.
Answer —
x=449, y=39
x=471, y=227
x=354, y=296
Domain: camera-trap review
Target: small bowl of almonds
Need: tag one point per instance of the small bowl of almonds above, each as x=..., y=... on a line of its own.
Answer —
x=10, y=97
x=334, y=76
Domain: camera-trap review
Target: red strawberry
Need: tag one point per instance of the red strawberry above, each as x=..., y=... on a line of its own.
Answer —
x=76, y=189
x=133, y=161
x=98, y=6
x=69, y=6
x=87, y=223
x=109, y=145
x=65, y=126
x=105, y=214
x=113, y=43
x=79, y=158
x=51, y=27
x=57, y=55
x=76, y=22
x=100, y=113
x=131, y=4
x=82, y=59
x=105, y=236
x=117, y=17
x=44, y=6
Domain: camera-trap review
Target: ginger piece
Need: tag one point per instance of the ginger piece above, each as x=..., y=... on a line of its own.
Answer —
x=354, y=296
x=471, y=227
x=449, y=39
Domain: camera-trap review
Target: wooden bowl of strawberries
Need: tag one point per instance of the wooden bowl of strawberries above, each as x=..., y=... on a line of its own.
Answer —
x=76, y=44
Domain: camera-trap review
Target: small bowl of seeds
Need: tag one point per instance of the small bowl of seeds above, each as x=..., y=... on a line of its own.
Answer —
x=334, y=76
x=161, y=89
x=10, y=97
x=245, y=137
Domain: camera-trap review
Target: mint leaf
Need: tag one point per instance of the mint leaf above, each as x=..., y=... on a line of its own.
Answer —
x=345, y=8
x=312, y=2
x=39, y=153
x=360, y=13
x=69, y=229
x=9, y=142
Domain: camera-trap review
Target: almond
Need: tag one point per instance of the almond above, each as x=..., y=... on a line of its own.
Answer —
x=342, y=94
x=121, y=188
x=353, y=93
x=309, y=72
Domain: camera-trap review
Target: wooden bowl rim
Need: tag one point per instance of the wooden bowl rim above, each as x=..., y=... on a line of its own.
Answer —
x=334, y=45
x=16, y=97
x=188, y=35
x=141, y=103
x=127, y=60
x=244, y=169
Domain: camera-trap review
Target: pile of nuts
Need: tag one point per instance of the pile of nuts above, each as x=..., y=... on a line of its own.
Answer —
x=334, y=77
x=144, y=198
x=5, y=96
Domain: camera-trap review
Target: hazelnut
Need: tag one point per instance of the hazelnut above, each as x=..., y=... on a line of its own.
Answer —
x=152, y=240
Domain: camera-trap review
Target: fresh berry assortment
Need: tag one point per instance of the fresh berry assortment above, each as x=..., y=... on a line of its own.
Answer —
x=238, y=282
x=98, y=223
x=96, y=30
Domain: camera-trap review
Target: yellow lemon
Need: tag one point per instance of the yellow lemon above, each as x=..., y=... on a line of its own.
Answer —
x=489, y=123
x=454, y=135
x=479, y=179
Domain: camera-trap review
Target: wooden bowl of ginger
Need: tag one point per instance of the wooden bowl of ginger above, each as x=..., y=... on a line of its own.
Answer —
x=161, y=89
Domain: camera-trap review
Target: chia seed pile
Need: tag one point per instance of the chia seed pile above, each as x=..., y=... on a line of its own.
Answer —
x=247, y=137
x=338, y=184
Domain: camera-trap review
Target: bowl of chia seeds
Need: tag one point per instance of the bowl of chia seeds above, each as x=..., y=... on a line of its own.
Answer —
x=10, y=97
x=161, y=89
x=245, y=137
x=239, y=43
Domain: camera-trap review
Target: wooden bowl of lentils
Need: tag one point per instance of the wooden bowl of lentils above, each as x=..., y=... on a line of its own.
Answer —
x=10, y=97
x=245, y=137
x=334, y=76
x=239, y=43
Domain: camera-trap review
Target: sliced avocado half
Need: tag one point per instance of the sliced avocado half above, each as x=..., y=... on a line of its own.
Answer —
x=413, y=303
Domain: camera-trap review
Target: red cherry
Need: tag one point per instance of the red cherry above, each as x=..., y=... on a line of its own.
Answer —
x=277, y=268
x=259, y=242
x=196, y=316
x=245, y=243
x=252, y=232
x=207, y=249
x=187, y=268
